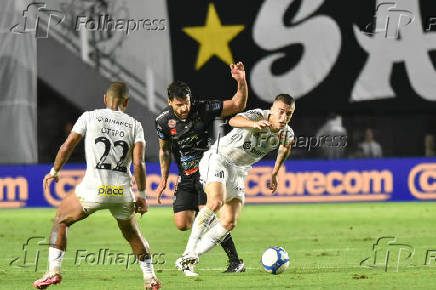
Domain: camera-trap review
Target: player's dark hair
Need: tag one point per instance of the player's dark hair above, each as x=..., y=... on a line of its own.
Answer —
x=118, y=90
x=285, y=98
x=178, y=90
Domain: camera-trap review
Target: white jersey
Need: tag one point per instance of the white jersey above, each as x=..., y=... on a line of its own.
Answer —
x=243, y=146
x=110, y=137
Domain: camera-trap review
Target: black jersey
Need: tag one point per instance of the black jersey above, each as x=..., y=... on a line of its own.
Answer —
x=189, y=138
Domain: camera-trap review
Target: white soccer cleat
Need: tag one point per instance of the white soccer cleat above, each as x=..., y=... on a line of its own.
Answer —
x=190, y=259
x=190, y=271
x=186, y=264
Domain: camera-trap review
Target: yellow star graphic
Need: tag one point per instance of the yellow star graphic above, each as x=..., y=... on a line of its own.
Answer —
x=213, y=38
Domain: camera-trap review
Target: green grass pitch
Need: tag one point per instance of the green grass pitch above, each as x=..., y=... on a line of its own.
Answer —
x=325, y=242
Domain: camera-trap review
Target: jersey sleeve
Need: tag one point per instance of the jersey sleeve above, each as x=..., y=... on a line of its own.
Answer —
x=139, y=133
x=80, y=126
x=254, y=115
x=160, y=130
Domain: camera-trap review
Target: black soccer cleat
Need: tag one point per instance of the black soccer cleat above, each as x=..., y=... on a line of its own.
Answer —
x=235, y=267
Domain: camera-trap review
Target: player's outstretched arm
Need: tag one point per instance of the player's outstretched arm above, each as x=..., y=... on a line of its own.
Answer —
x=242, y=122
x=141, y=205
x=66, y=150
x=62, y=157
x=283, y=154
x=239, y=100
x=165, y=162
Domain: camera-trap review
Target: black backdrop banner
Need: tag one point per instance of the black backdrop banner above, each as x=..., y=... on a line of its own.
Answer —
x=342, y=56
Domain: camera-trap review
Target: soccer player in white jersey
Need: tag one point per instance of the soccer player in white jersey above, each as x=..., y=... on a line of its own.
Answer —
x=112, y=140
x=225, y=166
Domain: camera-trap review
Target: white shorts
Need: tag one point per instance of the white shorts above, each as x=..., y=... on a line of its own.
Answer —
x=215, y=168
x=120, y=211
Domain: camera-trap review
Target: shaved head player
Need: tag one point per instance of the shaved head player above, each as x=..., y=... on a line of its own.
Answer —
x=225, y=166
x=183, y=129
x=112, y=140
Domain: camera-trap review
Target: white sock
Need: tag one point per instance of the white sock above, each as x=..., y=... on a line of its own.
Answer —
x=213, y=221
x=147, y=269
x=212, y=238
x=55, y=258
x=198, y=228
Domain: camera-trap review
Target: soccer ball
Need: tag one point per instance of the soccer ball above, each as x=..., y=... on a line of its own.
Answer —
x=275, y=260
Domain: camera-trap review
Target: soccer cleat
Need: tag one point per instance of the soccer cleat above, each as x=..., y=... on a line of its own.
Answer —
x=153, y=284
x=235, y=267
x=49, y=278
x=185, y=264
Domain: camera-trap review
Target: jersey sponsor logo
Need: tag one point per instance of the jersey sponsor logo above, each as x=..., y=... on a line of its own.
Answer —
x=110, y=190
x=257, y=152
x=191, y=171
x=254, y=112
x=172, y=123
x=113, y=121
x=173, y=131
x=422, y=181
x=14, y=192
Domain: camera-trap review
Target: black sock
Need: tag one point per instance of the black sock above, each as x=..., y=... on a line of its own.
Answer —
x=230, y=249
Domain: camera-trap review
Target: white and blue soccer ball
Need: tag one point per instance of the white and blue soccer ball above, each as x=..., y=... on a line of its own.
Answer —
x=275, y=260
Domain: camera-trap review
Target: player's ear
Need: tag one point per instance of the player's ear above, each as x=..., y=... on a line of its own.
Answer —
x=105, y=99
x=126, y=101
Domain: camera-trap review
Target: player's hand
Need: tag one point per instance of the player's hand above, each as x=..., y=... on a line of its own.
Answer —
x=160, y=189
x=141, y=205
x=45, y=182
x=238, y=72
x=274, y=183
x=262, y=124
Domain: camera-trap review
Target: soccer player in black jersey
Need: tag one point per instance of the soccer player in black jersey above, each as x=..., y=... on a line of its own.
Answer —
x=183, y=129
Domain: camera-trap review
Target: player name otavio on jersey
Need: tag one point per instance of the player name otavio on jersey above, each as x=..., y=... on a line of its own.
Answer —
x=189, y=138
x=243, y=146
x=110, y=137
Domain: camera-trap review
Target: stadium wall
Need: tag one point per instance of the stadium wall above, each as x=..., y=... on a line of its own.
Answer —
x=388, y=179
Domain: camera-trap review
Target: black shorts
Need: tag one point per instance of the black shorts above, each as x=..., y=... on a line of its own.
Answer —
x=189, y=194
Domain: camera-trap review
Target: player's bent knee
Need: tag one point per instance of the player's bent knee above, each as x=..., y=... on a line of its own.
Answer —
x=183, y=226
x=215, y=204
x=229, y=224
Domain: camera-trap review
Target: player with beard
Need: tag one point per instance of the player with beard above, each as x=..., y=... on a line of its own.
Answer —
x=183, y=129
